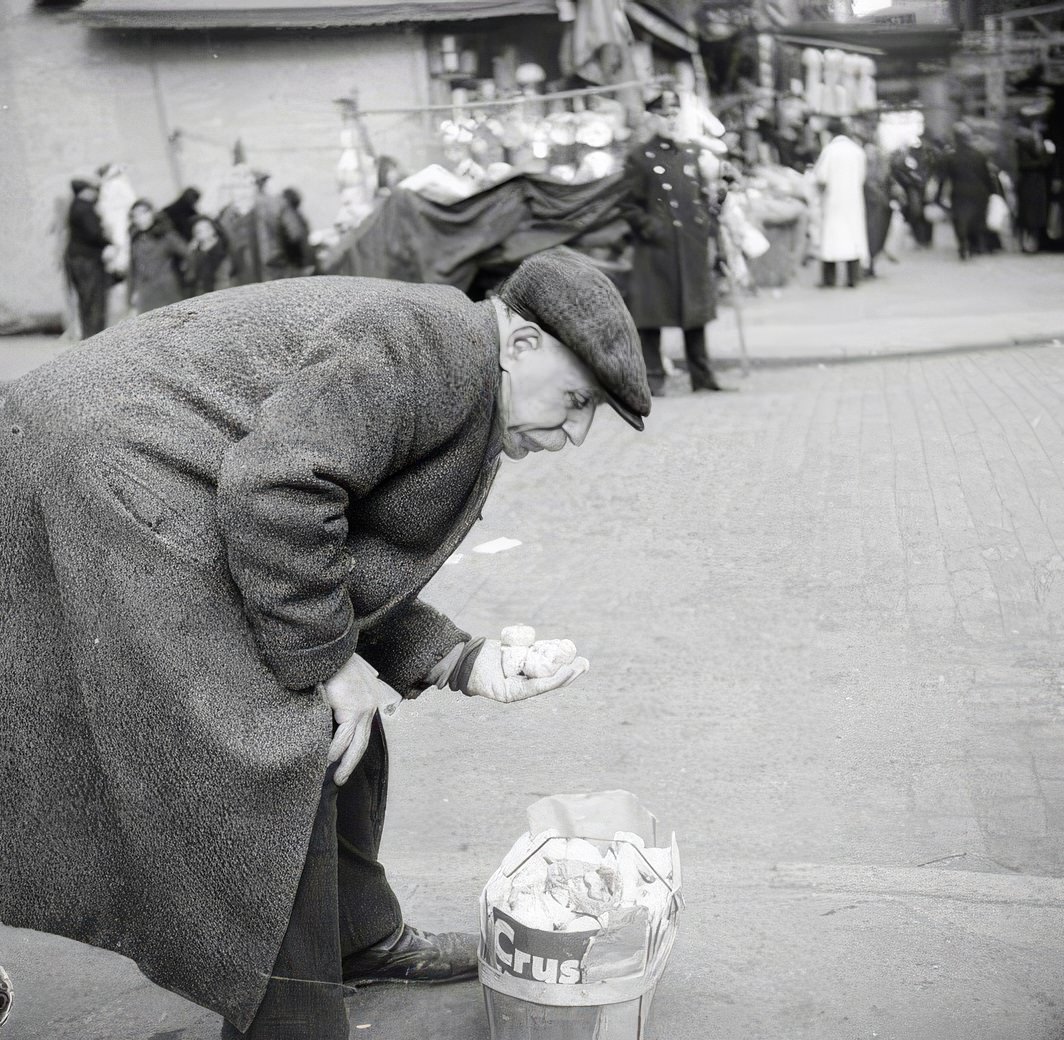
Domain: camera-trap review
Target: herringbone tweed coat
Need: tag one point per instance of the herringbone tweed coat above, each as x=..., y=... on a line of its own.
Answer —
x=205, y=511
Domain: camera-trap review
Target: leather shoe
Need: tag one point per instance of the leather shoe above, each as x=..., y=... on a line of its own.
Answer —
x=410, y=955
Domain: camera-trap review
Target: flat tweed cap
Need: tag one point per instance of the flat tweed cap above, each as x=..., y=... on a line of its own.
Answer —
x=572, y=300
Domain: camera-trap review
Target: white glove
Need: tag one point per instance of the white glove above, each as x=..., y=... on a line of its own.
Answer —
x=488, y=678
x=355, y=695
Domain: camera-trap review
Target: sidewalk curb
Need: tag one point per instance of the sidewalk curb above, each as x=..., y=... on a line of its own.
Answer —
x=890, y=882
x=890, y=354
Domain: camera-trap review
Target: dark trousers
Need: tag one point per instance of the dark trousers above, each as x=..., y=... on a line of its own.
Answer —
x=969, y=225
x=827, y=272
x=91, y=284
x=694, y=348
x=343, y=905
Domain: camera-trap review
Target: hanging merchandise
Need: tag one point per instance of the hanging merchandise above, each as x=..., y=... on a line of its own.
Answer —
x=839, y=83
x=851, y=73
x=866, y=86
x=766, y=71
x=813, y=60
x=532, y=132
x=833, y=63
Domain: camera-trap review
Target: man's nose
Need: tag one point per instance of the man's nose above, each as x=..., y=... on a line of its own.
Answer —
x=577, y=427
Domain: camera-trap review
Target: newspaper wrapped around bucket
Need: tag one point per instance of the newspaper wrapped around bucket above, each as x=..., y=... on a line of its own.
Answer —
x=583, y=909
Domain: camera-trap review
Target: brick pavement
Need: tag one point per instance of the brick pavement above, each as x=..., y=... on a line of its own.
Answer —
x=824, y=619
x=824, y=626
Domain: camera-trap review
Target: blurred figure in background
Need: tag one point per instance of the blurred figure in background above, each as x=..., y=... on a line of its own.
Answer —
x=877, y=189
x=914, y=169
x=207, y=263
x=295, y=234
x=389, y=174
x=966, y=176
x=156, y=259
x=182, y=212
x=237, y=221
x=1033, y=161
x=117, y=196
x=87, y=250
x=840, y=174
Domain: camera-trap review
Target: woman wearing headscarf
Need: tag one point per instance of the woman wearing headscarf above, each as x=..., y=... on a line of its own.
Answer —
x=207, y=264
x=157, y=255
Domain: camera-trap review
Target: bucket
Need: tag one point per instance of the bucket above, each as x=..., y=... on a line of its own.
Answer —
x=517, y=1018
x=596, y=983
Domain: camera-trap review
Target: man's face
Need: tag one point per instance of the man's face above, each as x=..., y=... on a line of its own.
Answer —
x=203, y=233
x=666, y=116
x=142, y=217
x=549, y=396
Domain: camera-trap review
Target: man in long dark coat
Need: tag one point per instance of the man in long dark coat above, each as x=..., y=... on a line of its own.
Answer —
x=671, y=282
x=87, y=243
x=216, y=522
x=967, y=179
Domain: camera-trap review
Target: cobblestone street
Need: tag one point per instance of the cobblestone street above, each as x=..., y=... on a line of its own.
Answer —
x=824, y=618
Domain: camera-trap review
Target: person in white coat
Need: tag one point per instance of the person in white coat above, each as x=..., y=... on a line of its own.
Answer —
x=840, y=174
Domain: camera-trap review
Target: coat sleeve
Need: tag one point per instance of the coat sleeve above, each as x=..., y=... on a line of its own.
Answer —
x=85, y=221
x=408, y=644
x=318, y=445
x=634, y=203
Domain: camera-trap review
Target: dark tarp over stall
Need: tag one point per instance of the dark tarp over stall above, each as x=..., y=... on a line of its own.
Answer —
x=414, y=240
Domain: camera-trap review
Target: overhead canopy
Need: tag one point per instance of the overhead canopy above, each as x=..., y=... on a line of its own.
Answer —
x=281, y=14
x=660, y=27
x=912, y=42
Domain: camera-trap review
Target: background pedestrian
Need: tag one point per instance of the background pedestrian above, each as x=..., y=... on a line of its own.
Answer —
x=1033, y=162
x=840, y=174
x=156, y=259
x=84, y=257
x=967, y=181
x=295, y=234
x=207, y=262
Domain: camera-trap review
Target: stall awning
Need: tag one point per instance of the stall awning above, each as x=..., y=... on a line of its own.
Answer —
x=913, y=42
x=660, y=27
x=281, y=14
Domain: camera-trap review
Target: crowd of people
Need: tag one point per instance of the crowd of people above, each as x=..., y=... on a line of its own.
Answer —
x=865, y=195
x=961, y=182
x=162, y=255
x=856, y=202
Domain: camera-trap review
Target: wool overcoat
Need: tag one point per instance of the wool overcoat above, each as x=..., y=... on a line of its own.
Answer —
x=1033, y=165
x=967, y=179
x=206, y=510
x=671, y=283
x=156, y=260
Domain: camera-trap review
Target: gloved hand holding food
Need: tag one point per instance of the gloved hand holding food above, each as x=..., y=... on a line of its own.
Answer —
x=517, y=666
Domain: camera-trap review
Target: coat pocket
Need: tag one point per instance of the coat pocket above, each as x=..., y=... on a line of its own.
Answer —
x=139, y=501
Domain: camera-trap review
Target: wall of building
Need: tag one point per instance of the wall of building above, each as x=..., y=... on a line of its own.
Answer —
x=72, y=99
x=914, y=12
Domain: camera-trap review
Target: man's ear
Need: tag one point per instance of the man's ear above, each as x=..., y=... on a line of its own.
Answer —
x=523, y=337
